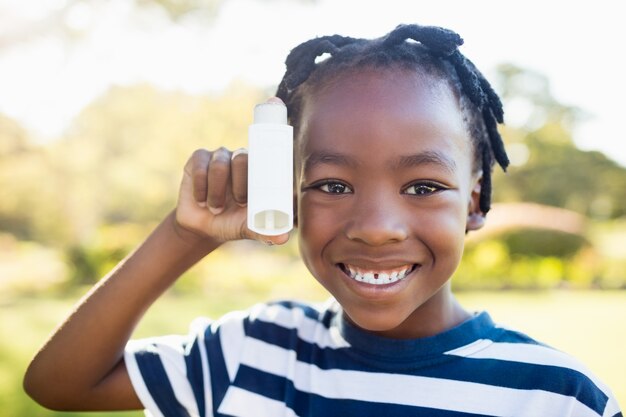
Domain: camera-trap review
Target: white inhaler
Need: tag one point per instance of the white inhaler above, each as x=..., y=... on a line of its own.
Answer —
x=270, y=170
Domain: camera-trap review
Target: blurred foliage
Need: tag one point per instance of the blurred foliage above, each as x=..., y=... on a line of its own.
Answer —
x=121, y=161
x=537, y=242
x=546, y=167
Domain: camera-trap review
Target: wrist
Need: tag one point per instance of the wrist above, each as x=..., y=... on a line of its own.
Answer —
x=190, y=237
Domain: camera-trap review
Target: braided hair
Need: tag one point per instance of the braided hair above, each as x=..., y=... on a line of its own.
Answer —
x=429, y=49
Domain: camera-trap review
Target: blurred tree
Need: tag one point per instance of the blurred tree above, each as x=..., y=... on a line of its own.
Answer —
x=26, y=185
x=546, y=167
x=14, y=145
x=64, y=18
x=122, y=159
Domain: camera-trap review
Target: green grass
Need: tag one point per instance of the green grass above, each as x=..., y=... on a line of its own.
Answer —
x=588, y=325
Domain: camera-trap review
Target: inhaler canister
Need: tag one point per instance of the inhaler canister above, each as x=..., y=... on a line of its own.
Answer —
x=270, y=171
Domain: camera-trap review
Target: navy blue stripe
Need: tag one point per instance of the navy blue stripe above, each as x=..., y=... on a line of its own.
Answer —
x=261, y=382
x=217, y=367
x=305, y=404
x=155, y=378
x=512, y=336
x=307, y=309
x=523, y=376
x=193, y=362
x=619, y=414
x=372, y=409
x=330, y=358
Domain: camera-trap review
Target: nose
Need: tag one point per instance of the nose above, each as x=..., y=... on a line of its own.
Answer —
x=377, y=221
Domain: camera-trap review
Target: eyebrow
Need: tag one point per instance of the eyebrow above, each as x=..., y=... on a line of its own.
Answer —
x=329, y=158
x=425, y=158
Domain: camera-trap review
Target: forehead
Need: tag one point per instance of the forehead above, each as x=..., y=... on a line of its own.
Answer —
x=383, y=110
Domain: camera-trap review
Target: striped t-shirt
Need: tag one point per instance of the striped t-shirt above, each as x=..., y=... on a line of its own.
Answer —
x=293, y=359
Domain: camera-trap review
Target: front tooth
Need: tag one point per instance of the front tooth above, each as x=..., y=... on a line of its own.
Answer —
x=383, y=278
x=369, y=277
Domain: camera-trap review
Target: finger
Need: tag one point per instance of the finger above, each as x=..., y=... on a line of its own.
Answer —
x=274, y=100
x=196, y=169
x=218, y=177
x=272, y=240
x=239, y=176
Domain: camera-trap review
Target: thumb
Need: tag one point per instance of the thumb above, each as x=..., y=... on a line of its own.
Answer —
x=270, y=240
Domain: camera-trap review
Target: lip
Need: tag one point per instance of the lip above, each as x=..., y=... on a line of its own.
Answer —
x=377, y=290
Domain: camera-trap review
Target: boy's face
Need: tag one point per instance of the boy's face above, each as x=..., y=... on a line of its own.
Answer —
x=385, y=186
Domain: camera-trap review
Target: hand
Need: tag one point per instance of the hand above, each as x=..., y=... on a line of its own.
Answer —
x=213, y=197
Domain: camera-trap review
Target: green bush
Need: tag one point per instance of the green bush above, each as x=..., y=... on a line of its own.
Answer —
x=535, y=242
x=537, y=259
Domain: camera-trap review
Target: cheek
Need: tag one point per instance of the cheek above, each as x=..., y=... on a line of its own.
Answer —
x=442, y=229
x=315, y=229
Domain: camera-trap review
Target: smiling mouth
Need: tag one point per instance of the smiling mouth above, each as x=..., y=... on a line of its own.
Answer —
x=374, y=277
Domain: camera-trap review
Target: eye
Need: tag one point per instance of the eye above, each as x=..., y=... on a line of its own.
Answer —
x=333, y=187
x=423, y=189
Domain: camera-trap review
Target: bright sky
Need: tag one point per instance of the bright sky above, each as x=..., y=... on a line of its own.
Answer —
x=45, y=83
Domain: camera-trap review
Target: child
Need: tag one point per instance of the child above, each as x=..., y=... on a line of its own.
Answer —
x=395, y=139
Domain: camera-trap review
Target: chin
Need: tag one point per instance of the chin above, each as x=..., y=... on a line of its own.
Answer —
x=373, y=322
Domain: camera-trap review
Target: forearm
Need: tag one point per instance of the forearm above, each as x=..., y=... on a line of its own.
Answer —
x=87, y=348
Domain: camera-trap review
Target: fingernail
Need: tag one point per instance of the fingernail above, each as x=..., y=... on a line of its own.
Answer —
x=275, y=100
x=269, y=243
x=201, y=203
x=238, y=151
x=216, y=210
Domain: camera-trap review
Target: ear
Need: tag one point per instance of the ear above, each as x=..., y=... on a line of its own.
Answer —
x=475, y=217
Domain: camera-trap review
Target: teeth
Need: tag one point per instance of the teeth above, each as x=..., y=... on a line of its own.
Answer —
x=377, y=278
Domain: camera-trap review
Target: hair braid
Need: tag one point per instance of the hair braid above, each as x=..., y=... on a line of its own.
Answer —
x=435, y=52
x=484, y=201
x=439, y=40
x=301, y=60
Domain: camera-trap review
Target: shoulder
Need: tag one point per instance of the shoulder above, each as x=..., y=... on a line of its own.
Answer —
x=516, y=360
x=287, y=313
x=272, y=320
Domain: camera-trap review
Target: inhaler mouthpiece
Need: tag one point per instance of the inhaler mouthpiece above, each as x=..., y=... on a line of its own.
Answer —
x=270, y=171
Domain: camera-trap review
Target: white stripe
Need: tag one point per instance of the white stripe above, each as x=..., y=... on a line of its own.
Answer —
x=309, y=330
x=528, y=353
x=170, y=349
x=137, y=380
x=437, y=393
x=470, y=349
x=231, y=339
x=612, y=407
x=198, y=327
x=239, y=402
x=268, y=358
x=408, y=390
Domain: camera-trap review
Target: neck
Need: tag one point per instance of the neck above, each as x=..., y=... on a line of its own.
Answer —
x=440, y=313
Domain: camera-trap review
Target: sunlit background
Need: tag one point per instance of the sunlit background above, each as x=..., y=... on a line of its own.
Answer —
x=101, y=102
